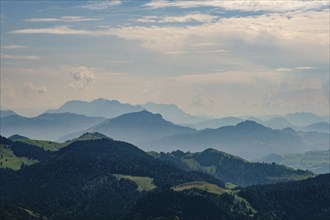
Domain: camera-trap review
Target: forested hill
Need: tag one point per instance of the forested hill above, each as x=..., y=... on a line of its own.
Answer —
x=233, y=169
x=92, y=176
x=305, y=199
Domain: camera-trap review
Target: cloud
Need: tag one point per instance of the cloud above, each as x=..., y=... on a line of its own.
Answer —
x=36, y=89
x=305, y=68
x=200, y=99
x=283, y=69
x=244, y=5
x=82, y=76
x=2, y=18
x=230, y=77
x=18, y=57
x=194, y=17
x=302, y=27
x=7, y=90
x=58, y=30
x=63, y=19
x=14, y=46
x=147, y=91
x=101, y=4
x=306, y=94
x=311, y=28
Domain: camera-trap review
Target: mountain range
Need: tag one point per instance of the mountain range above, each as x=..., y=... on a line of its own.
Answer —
x=97, y=108
x=46, y=126
x=139, y=127
x=247, y=139
x=318, y=124
x=113, y=108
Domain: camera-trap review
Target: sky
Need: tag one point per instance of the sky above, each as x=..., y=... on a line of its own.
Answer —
x=214, y=58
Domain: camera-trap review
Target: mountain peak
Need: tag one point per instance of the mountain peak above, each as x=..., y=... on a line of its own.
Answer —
x=103, y=100
x=17, y=137
x=92, y=136
x=6, y=113
x=141, y=117
x=250, y=125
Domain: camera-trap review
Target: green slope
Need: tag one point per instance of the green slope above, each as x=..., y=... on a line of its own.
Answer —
x=144, y=183
x=9, y=160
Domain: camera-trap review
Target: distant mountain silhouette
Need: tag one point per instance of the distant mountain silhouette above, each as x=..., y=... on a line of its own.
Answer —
x=46, y=126
x=139, y=127
x=303, y=118
x=277, y=123
x=113, y=108
x=247, y=139
x=98, y=107
x=317, y=127
x=316, y=161
x=172, y=113
x=6, y=113
x=217, y=123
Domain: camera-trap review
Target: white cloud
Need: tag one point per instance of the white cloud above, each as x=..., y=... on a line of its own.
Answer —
x=194, y=17
x=82, y=76
x=305, y=68
x=297, y=93
x=19, y=57
x=63, y=19
x=200, y=99
x=310, y=29
x=201, y=51
x=14, y=46
x=147, y=91
x=7, y=89
x=283, y=69
x=230, y=77
x=36, y=89
x=58, y=30
x=101, y=4
x=245, y=5
x=299, y=28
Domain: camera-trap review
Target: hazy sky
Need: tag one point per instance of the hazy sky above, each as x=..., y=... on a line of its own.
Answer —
x=212, y=58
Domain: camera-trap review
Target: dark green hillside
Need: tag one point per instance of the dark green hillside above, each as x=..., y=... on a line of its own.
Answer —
x=78, y=181
x=14, y=212
x=233, y=169
x=189, y=205
x=306, y=199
